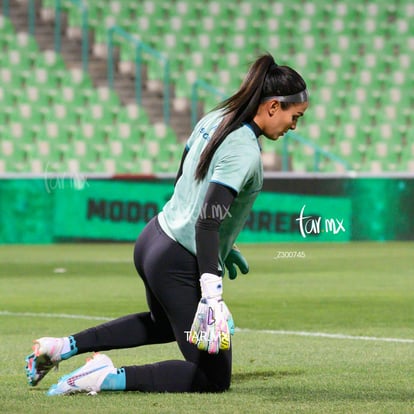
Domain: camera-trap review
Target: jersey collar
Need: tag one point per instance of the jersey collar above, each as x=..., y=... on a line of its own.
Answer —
x=255, y=128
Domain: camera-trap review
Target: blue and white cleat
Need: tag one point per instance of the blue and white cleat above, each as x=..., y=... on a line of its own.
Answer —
x=87, y=378
x=46, y=355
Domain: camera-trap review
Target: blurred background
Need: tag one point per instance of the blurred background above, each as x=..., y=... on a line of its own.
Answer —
x=111, y=89
x=115, y=86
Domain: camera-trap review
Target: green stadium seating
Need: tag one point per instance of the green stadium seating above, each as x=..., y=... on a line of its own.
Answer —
x=356, y=58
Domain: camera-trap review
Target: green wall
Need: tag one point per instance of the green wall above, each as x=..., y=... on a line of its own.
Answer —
x=67, y=209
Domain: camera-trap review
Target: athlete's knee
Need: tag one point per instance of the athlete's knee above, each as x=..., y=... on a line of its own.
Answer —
x=222, y=387
x=219, y=383
x=218, y=387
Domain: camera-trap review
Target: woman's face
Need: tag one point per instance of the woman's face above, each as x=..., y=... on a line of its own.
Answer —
x=275, y=122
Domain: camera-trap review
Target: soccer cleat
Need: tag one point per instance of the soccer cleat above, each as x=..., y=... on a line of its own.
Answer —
x=37, y=368
x=87, y=378
x=46, y=355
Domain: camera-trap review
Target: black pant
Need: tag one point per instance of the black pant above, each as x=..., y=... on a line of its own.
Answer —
x=171, y=279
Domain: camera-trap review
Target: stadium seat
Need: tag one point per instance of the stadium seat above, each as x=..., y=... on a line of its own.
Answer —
x=354, y=56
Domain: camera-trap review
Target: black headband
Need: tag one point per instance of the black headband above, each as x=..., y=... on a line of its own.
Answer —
x=299, y=97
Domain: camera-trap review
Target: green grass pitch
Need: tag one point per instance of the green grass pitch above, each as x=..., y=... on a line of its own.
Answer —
x=323, y=328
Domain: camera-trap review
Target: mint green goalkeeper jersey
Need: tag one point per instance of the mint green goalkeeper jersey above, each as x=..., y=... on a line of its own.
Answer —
x=236, y=164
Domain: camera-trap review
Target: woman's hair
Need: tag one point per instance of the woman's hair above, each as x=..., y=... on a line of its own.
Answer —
x=264, y=79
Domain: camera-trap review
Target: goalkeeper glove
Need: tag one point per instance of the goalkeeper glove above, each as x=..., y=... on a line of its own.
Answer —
x=213, y=323
x=236, y=258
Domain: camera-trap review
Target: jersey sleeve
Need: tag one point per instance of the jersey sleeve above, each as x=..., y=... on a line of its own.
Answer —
x=233, y=169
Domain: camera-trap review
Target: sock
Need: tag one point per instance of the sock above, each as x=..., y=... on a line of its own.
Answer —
x=114, y=382
x=69, y=347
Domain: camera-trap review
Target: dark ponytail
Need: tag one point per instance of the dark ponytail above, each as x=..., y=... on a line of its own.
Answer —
x=264, y=79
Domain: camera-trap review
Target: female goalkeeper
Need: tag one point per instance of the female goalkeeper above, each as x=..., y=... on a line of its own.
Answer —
x=180, y=254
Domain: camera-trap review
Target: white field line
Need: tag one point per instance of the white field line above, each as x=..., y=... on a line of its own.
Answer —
x=241, y=330
x=326, y=335
x=55, y=315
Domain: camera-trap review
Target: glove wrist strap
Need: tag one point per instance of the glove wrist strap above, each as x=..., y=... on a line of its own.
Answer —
x=211, y=286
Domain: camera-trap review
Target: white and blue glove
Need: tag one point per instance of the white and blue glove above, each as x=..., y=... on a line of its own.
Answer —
x=213, y=323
